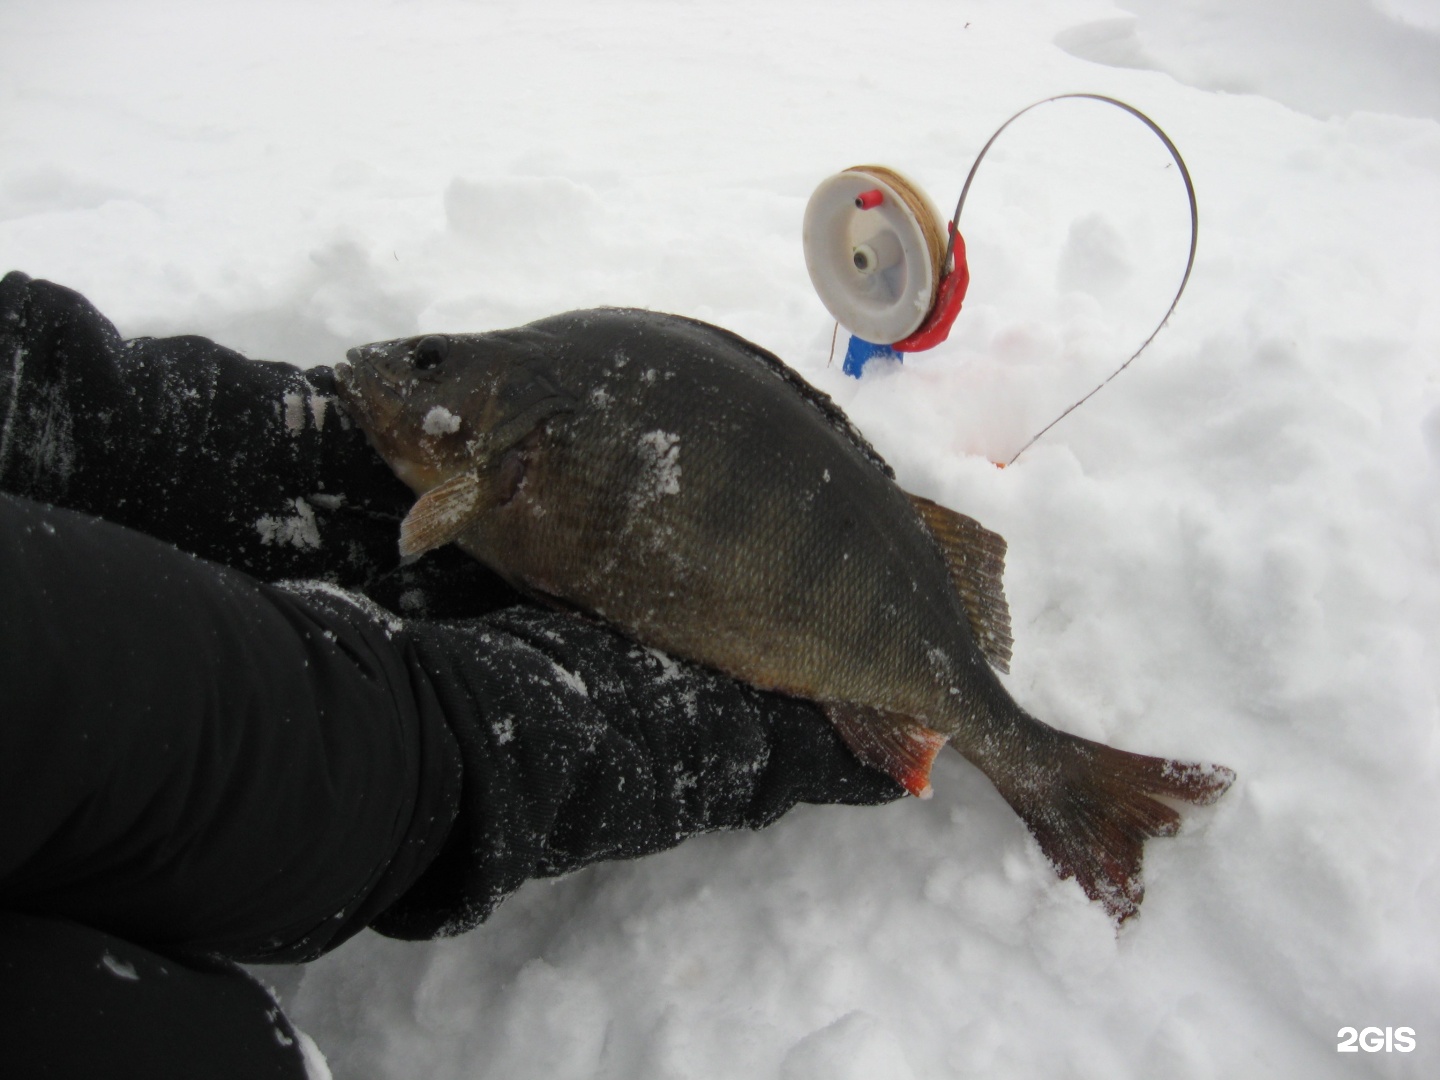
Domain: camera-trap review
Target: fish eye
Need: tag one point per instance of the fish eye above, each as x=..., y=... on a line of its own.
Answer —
x=429, y=351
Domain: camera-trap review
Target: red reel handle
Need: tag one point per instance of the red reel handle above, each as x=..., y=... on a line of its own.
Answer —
x=936, y=327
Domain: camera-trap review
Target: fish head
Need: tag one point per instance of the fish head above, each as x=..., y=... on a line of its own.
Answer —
x=436, y=405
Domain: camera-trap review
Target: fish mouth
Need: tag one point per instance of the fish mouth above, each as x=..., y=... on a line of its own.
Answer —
x=369, y=399
x=362, y=354
x=348, y=381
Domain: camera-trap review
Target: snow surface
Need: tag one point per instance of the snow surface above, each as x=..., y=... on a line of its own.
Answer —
x=1230, y=554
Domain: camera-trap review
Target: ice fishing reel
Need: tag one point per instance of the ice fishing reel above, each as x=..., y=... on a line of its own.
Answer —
x=882, y=263
x=894, y=274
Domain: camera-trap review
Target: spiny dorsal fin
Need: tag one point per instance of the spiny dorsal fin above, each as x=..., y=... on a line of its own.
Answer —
x=440, y=515
x=976, y=558
x=833, y=414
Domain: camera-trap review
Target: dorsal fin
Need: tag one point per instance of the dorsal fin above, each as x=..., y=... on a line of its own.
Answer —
x=975, y=557
x=561, y=329
x=834, y=415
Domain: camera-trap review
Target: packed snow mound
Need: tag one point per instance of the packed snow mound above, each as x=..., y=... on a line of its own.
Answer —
x=1323, y=57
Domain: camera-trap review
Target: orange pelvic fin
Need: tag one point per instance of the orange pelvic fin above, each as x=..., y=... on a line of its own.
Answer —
x=902, y=748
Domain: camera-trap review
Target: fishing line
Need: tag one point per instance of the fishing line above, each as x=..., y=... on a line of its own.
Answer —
x=876, y=264
x=1189, y=259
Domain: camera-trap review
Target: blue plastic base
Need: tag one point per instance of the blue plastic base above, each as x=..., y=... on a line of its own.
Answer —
x=861, y=352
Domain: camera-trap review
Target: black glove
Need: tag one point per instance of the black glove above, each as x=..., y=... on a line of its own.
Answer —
x=577, y=744
x=246, y=462
x=218, y=768
x=580, y=745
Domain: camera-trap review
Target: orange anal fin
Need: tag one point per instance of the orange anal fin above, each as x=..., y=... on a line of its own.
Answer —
x=900, y=747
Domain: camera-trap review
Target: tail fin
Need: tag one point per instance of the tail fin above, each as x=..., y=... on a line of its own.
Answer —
x=1091, y=808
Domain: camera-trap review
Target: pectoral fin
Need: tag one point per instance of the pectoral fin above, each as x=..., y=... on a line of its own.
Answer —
x=975, y=557
x=901, y=748
x=446, y=511
x=441, y=514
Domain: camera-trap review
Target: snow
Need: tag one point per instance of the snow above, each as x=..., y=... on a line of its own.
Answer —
x=121, y=969
x=440, y=421
x=300, y=529
x=660, y=465
x=566, y=677
x=1229, y=554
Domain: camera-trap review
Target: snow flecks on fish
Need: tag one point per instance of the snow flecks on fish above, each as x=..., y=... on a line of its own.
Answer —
x=300, y=529
x=940, y=663
x=1194, y=771
x=660, y=454
x=600, y=397
x=440, y=421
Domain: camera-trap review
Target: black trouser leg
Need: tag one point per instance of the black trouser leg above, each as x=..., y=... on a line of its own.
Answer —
x=203, y=763
x=196, y=761
x=77, y=1002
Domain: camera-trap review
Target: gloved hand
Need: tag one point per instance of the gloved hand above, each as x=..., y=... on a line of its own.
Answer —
x=580, y=745
x=577, y=744
x=246, y=462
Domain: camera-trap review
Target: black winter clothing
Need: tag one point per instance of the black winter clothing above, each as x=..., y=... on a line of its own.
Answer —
x=205, y=763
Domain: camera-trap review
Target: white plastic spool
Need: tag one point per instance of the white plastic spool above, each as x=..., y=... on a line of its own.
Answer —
x=876, y=270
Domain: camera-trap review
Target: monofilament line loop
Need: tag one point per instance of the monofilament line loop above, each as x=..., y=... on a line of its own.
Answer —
x=1189, y=261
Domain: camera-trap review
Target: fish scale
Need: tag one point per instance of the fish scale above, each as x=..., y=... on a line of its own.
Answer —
x=777, y=575
x=684, y=485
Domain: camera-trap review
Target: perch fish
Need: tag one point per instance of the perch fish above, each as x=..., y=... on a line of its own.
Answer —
x=686, y=486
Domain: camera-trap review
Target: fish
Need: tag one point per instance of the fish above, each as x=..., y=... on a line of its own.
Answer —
x=684, y=485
